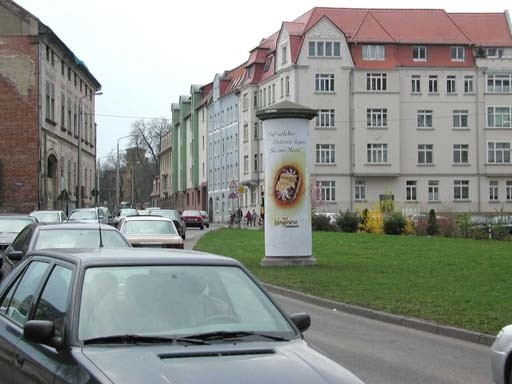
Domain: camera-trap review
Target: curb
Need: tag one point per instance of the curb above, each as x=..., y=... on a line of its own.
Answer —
x=418, y=324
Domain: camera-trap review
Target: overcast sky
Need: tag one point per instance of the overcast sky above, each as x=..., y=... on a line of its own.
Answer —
x=147, y=53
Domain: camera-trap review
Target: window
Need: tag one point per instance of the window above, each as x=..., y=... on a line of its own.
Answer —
x=457, y=53
x=425, y=153
x=327, y=190
x=360, y=190
x=62, y=110
x=373, y=52
x=460, y=119
x=377, y=153
x=256, y=131
x=377, y=118
x=416, y=84
x=432, y=84
x=282, y=87
x=498, y=152
x=325, y=118
x=17, y=302
x=494, y=53
x=324, y=49
x=499, y=117
x=493, y=190
x=419, y=53
x=425, y=119
x=287, y=85
x=53, y=304
x=62, y=68
x=268, y=61
x=508, y=190
x=246, y=164
x=376, y=81
x=245, y=101
x=468, y=84
x=325, y=153
x=461, y=189
x=499, y=83
x=284, y=54
x=48, y=103
x=324, y=83
x=256, y=163
x=273, y=93
x=460, y=153
x=246, y=132
x=450, y=84
x=410, y=190
x=433, y=190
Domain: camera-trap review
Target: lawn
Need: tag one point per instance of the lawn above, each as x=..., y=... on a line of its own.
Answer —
x=458, y=282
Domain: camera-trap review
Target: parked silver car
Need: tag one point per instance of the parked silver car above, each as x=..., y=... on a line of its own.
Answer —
x=501, y=357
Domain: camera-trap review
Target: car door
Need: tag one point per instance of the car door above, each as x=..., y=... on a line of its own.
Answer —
x=37, y=363
x=15, y=303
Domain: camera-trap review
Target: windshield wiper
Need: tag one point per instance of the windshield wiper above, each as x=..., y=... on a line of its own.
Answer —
x=233, y=335
x=141, y=339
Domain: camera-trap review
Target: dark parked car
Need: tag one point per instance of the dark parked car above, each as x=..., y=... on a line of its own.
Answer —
x=175, y=216
x=145, y=316
x=193, y=218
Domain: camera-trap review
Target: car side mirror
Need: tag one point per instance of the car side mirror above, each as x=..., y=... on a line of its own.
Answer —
x=301, y=320
x=14, y=255
x=41, y=332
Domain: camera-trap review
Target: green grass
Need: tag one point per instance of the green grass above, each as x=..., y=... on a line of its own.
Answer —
x=458, y=282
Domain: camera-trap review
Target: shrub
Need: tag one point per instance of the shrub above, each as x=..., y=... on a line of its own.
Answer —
x=322, y=223
x=394, y=224
x=364, y=220
x=432, y=227
x=409, y=227
x=464, y=224
x=348, y=222
x=374, y=222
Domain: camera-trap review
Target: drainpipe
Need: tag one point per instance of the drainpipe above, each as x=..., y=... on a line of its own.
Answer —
x=40, y=193
x=351, y=138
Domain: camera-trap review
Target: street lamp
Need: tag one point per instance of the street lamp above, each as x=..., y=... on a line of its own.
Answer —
x=78, y=178
x=117, y=169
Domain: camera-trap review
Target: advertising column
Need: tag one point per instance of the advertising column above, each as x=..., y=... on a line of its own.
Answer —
x=286, y=140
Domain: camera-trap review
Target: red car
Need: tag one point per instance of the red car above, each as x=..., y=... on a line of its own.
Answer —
x=193, y=218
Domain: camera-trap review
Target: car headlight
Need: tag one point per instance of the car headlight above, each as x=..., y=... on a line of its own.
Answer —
x=500, y=333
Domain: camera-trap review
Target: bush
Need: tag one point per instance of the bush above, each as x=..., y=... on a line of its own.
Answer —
x=374, y=222
x=432, y=227
x=322, y=223
x=394, y=224
x=364, y=220
x=348, y=222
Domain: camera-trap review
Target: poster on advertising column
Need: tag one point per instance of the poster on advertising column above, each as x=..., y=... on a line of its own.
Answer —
x=287, y=178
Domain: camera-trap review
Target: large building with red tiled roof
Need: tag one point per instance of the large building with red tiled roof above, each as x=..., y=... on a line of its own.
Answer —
x=413, y=103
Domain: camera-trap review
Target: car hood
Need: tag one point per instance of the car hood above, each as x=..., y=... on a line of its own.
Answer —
x=7, y=237
x=250, y=363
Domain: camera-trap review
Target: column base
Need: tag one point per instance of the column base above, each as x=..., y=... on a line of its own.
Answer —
x=287, y=261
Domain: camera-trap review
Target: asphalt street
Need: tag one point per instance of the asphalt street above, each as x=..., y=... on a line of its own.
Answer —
x=383, y=353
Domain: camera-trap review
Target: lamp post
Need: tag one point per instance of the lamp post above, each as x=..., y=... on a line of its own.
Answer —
x=117, y=170
x=78, y=177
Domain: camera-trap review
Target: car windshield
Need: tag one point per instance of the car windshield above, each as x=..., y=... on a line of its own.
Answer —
x=47, y=217
x=13, y=225
x=148, y=227
x=175, y=301
x=168, y=214
x=83, y=215
x=79, y=238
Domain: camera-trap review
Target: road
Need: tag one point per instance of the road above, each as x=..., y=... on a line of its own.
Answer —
x=382, y=353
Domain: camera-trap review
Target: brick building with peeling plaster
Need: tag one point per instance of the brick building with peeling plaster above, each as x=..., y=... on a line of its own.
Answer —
x=46, y=94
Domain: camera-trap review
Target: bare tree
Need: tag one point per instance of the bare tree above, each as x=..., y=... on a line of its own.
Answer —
x=148, y=135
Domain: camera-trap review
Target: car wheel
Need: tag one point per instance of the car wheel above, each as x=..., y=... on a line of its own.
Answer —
x=202, y=227
x=184, y=235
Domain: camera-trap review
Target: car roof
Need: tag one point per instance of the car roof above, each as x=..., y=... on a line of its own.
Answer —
x=146, y=218
x=136, y=256
x=74, y=225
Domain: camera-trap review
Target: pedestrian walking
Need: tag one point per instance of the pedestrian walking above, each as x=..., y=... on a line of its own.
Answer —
x=248, y=218
x=254, y=217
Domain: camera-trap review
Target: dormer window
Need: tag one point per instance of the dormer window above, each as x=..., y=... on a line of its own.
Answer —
x=324, y=49
x=373, y=52
x=457, y=53
x=419, y=53
x=268, y=61
x=284, y=54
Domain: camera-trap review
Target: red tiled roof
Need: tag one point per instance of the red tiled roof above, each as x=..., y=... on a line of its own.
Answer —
x=207, y=94
x=484, y=29
x=293, y=28
x=235, y=77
